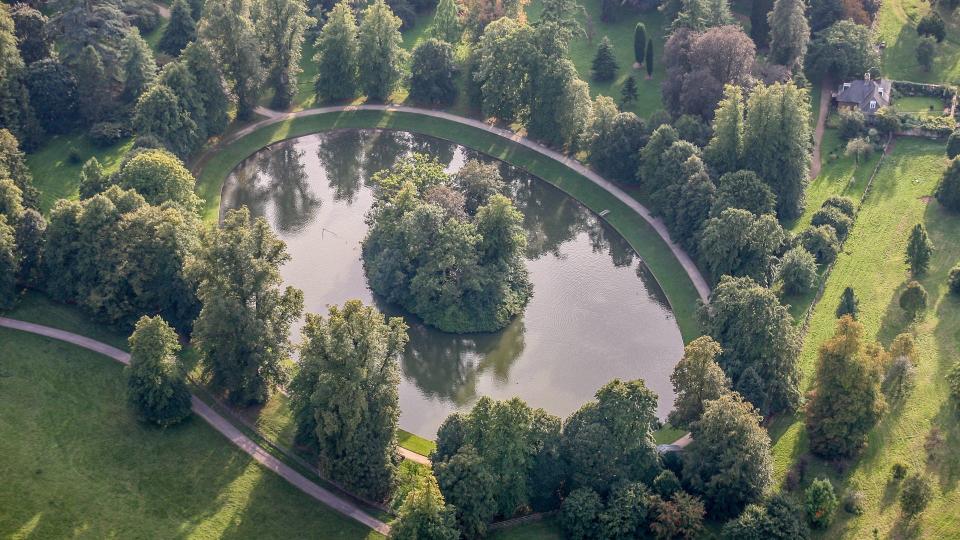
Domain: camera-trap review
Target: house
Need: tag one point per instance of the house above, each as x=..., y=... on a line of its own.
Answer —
x=868, y=95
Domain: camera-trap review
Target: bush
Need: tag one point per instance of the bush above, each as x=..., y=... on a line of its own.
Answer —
x=852, y=123
x=821, y=503
x=666, y=484
x=916, y=495
x=932, y=25
x=106, y=134
x=797, y=271
x=898, y=471
x=953, y=280
x=843, y=204
x=855, y=503
x=913, y=300
x=834, y=217
x=822, y=242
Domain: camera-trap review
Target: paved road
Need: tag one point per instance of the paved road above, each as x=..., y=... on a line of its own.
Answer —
x=219, y=423
x=273, y=117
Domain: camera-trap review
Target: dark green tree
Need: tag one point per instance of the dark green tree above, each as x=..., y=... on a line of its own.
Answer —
x=843, y=50
x=948, y=191
x=777, y=518
x=919, y=250
x=242, y=332
x=696, y=379
x=916, y=495
x=580, y=514
x=789, y=32
x=797, y=271
x=847, y=402
x=849, y=304
x=280, y=26
x=759, y=22
x=177, y=77
x=30, y=239
x=470, y=488
x=446, y=22
x=337, y=49
x=628, y=94
x=953, y=280
x=478, y=182
x=227, y=30
x=13, y=164
x=615, y=141
x=156, y=386
x=953, y=146
x=834, y=217
x=380, y=54
x=9, y=264
x=160, y=114
x=202, y=65
x=424, y=515
x=94, y=97
x=626, y=512
x=925, y=51
x=53, y=95
x=821, y=242
x=93, y=179
x=180, y=31
x=743, y=190
x=33, y=38
x=604, y=66
x=138, y=66
x=729, y=461
x=433, y=72
x=739, y=243
x=932, y=25
x=639, y=43
x=725, y=149
x=821, y=503
x=913, y=300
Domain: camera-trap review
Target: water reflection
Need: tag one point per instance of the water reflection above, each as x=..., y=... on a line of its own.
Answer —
x=591, y=318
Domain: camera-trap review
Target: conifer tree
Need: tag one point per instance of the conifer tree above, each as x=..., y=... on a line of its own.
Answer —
x=725, y=149
x=180, y=31
x=336, y=56
x=789, y=32
x=919, y=250
x=381, y=54
x=139, y=67
x=639, y=43
x=424, y=515
x=446, y=22
x=628, y=94
x=604, y=67
x=92, y=78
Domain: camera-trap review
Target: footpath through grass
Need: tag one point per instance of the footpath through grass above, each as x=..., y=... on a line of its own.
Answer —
x=77, y=463
x=655, y=253
x=872, y=262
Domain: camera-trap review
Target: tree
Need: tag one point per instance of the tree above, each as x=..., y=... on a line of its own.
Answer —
x=628, y=94
x=932, y=25
x=433, y=72
x=559, y=109
x=446, y=22
x=847, y=402
x=744, y=190
x=696, y=379
x=626, y=511
x=681, y=516
x=843, y=50
x=242, y=330
x=797, y=271
x=916, y=495
x=777, y=518
x=478, y=182
x=156, y=385
x=777, y=132
x=913, y=300
x=948, y=191
x=739, y=243
x=478, y=14
x=652, y=153
x=822, y=242
x=9, y=264
x=160, y=114
x=852, y=124
x=470, y=488
x=849, y=304
x=424, y=515
x=381, y=54
x=616, y=142
x=649, y=61
x=92, y=78
x=16, y=113
x=760, y=22
x=729, y=461
x=31, y=36
x=227, y=30
x=604, y=66
x=344, y=396
x=280, y=27
x=639, y=43
x=611, y=439
x=180, y=31
x=741, y=314
x=159, y=177
x=919, y=250
x=925, y=51
x=336, y=57
x=53, y=95
x=13, y=164
x=139, y=67
x=580, y=514
x=30, y=239
x=202, y=65
x=725, y=150
x=953, y=145
x=859, y=148
x=821, y=503
x=789, y=32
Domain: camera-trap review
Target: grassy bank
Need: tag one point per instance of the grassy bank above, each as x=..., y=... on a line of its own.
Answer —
x=872, y=262
x=655, y=253
x=77, y=463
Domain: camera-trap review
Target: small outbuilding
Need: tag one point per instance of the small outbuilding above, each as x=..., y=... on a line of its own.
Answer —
x=867, y=95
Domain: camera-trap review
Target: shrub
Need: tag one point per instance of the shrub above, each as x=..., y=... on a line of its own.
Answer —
x=821, y=503
x=886, y=120
x=852, y=124
x=797, y=271
x=855, y=502
x=830, y=215
x=953, y=280
x=916, y=495
x=898, y=471
x=843, y=204
x=913, y=300
x=821, y=241
x=106, y=134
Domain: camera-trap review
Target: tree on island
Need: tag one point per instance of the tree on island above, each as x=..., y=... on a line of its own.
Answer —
x=458, y=271
x=344, y=396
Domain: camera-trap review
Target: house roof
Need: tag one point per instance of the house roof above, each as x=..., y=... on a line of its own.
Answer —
x=862, y=91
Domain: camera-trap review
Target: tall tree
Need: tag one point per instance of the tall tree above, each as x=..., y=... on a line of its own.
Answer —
x=344, y=396
x=777, y=132
x=470, y=488
x=381, y=54
x=228, y=31
x=759, y=22
x=446, y=22
x=180, y=31
x=33, y=38
x=562, y=15
x=604, y=66
x=505, y=57
x=139, y=67
x=725, y=150
x=53, y=95
x=433, y=72
x=948, y=191
x=744, y=190
x=202, y=65
x=639, y=43
x=13, y=164
x=160, y=178
x=740, y=243
x=847, y=401
x=844, y=49
x=717, y=13
x=337, y=49
x=789, y=32
x=649, y=61
x=156, y=384
x=94, y=99
x=729, y=461
x=759, y=341
x=159, y=113
x=424, y=515
x=697, y=378
x=242, y=333
x=559, y=110
x=177, y=77
x=919, y=250
x=280, y=27
x=9, y=263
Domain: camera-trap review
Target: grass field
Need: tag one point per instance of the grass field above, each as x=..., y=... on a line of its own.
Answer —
x=78, y=464
x=872, y=262
x=897, y=27
x=919, y=105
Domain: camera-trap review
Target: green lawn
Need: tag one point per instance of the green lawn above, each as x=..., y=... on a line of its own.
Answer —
x=415, y=443
x=897, y=26
x=546, y=529
x=919, y=105
x=77, y=463
x=872, y=262
x=641, y=236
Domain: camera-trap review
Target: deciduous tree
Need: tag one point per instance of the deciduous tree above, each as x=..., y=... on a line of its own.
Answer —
x=433, y=72
x=789, y=32
x=9, y=264
x=446, y=22
x=159, y=177
x=913, y=300
x=948, y=191
x=725, y=150
x=381, y=55
x=159, y=113
x=744, y=190
x=697, y=378
x=228, y=32
x=280, y=27
x=739, y=243
x=33, y=39
x=202, y=64
x=777, y=518
x=843, y=50
x=470, y=488
x=156, y=386
x=336, y=57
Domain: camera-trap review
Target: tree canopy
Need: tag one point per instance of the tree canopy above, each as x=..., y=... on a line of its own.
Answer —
x=156, y=384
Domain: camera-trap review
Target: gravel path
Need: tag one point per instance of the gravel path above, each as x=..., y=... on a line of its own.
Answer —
x=219, y=423
x=274, y=117
x=821, y=125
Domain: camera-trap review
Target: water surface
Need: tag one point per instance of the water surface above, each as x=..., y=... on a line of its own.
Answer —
x=596, y=312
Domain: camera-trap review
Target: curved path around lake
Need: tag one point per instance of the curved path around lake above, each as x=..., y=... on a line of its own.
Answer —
x=275, y=117
x=219, y=423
